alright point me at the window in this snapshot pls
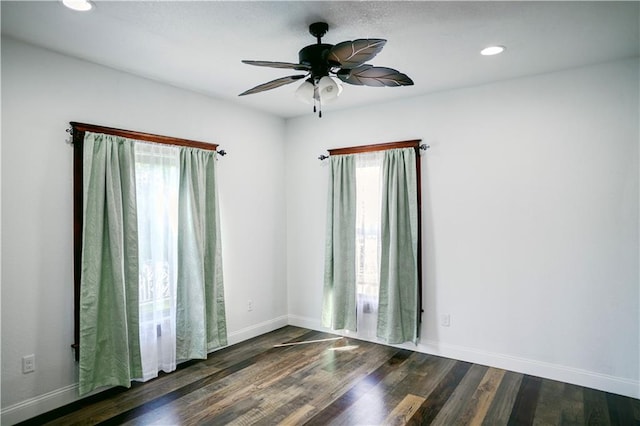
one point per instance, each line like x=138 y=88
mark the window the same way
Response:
x=372 y=264
x=148 y=269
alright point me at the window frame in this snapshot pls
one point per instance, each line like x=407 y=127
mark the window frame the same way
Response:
x=78 y=131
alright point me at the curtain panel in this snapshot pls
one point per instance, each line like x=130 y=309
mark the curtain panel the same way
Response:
x=398 y=297
x=201 y=323
x=110 y=263
x=109 y=336
x=339 y=295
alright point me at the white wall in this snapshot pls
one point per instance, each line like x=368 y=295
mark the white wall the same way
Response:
x=43 y=91
x=530 y=218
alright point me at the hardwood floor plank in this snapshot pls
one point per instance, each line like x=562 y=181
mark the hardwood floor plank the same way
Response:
x=261 y=375
x=572 y=402
x=287 y=395
x=482 y=398
x=620 y=410
x=500 y=409
x=549 y=408
x=423 y=381
x=269 y=404
x=175 y=395
x=525 y=404
x=298 y=417
x=459 y=400
x=635 y=404
x=375 y=405
x=596 y=411
x=359 y=389
x=327 y=387
x=401 y=414
x=438 y=398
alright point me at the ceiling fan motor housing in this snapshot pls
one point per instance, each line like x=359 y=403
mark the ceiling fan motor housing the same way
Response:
x=315 y=56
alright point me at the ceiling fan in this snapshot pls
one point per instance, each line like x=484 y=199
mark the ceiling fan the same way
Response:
x=325 y=65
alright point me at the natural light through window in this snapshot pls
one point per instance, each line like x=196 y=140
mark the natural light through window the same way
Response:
x=368 y=188
x=157 y=182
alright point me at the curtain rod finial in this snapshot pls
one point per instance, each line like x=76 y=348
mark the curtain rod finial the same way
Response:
x=69 y=139
x=222 y=152
x=424 y=147
x=323 y=157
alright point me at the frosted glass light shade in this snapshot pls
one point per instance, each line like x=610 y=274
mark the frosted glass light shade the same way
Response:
x=304 y=93
x=329 y=89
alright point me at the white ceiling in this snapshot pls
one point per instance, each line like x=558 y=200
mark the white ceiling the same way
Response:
x=198 y=45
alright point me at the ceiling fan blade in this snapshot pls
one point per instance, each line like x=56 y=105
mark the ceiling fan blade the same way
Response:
x=368 y=75
x=288 y=65
x=273 y=84
x=351 y=54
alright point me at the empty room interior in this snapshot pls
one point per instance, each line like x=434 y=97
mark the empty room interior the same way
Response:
x=499 y=282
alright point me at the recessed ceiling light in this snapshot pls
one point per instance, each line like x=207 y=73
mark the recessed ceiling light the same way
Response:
x=492 y=50
x=79 y=5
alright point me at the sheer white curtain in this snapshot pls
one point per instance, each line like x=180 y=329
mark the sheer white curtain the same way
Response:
x=157 y=186
x=368 y=240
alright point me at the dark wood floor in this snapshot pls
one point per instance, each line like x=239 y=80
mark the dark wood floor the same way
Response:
x=343 y=382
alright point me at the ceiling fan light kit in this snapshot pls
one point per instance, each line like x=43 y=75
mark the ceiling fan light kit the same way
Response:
x=326 y=65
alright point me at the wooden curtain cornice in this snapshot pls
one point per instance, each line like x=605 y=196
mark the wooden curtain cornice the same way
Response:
x=80 y=128
x=415 y=143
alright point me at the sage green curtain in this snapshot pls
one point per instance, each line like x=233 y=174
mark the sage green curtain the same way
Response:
x=398 y=295
x=339 y=296
x=201 y=322
x=109 y=301
x=109 y=342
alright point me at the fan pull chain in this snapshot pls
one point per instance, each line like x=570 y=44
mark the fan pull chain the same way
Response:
x=315 y=96
x=317 y=101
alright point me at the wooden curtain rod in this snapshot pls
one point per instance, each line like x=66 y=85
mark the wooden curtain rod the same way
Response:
x=147 y=137
x=415 y=143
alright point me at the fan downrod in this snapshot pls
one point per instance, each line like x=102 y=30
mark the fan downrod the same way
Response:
x=318 y=30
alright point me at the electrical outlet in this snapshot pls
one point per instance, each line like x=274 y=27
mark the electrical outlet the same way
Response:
x=249 y=305
x=445 y=320
x=28 y=364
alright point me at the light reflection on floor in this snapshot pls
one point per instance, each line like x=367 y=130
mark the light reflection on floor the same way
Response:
x=344 y=348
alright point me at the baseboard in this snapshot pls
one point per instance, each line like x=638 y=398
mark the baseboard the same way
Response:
x=41 y=404
x=257 y=329
x=310 y=323
x=590 y=379
x=60 y=397
x=547 y=370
